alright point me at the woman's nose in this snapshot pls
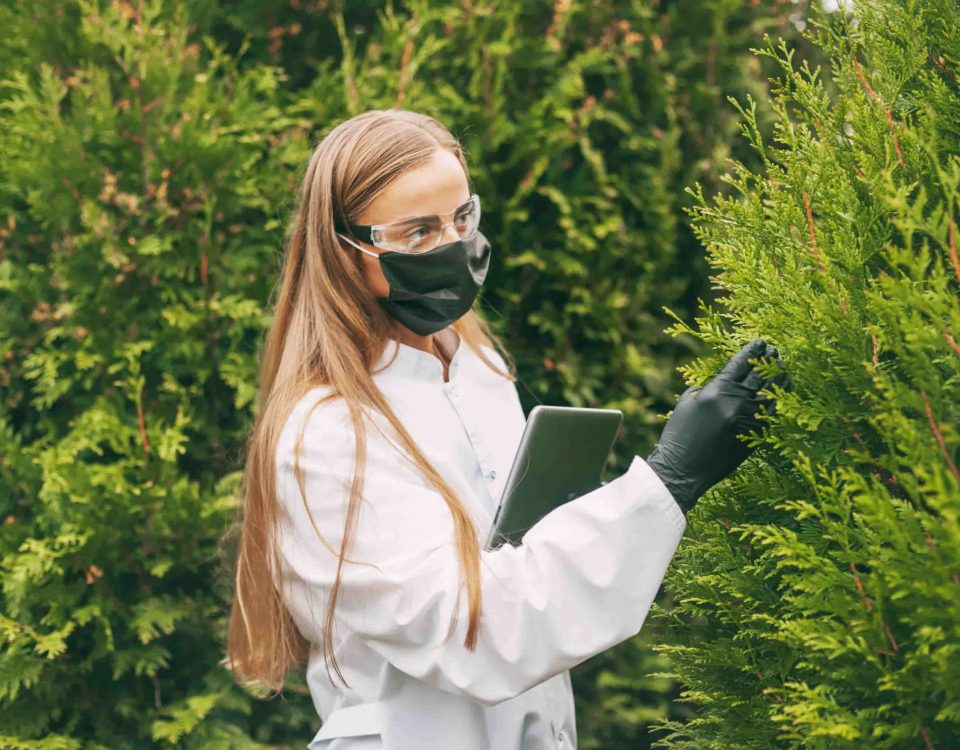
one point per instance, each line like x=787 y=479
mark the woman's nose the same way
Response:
x=450 y=234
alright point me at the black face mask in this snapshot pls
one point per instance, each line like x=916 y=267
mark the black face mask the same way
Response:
x=429 y=291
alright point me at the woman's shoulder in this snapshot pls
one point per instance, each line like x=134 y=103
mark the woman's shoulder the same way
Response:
x=319 y=434
x=498 y=361
x=321 y=413
x=326 y=422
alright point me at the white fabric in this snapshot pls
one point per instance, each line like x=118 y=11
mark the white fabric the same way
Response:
x=582 y=580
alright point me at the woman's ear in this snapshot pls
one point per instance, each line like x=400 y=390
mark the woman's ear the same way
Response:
x=370 y=267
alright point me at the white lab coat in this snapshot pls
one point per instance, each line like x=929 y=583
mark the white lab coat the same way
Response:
x=582 y=581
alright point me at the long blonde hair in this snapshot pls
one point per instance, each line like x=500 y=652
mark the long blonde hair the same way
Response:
x=327 y=329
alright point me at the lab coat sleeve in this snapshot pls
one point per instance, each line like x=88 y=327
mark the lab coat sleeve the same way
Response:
x=582 y=581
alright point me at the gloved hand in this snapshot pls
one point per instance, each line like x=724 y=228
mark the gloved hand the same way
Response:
x=699 y=445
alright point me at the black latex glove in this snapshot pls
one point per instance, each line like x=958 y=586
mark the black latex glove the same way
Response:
x=699 y=444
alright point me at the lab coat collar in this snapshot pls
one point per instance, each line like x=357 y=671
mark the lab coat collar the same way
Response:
x=415 y=363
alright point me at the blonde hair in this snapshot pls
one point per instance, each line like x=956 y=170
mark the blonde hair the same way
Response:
x=327 y=329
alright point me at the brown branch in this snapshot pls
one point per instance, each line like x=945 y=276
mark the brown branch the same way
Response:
x=866 y=84
x=151 y=104
x=863 y=595
x=131 y=137
x=890 y=638
x=813 y=233
x=950 y=340
x=886 y=111
x=941 y=65
x=559 y=8
x=404 y=73
x=143 y=431
x=939 y=436
x=860 y=442
x=896 y=141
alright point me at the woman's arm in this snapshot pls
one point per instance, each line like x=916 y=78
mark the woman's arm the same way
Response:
x=582 y=581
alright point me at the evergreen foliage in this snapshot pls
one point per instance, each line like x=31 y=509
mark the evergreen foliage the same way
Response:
x=149 y=153
x=141 y=176
x=818 y=591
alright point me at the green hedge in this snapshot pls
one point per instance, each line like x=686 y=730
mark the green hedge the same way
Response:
x=818 y=592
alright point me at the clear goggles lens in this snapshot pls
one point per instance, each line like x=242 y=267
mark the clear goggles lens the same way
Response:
x=423 y=233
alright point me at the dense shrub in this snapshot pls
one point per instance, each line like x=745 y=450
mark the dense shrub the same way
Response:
x=819 y=591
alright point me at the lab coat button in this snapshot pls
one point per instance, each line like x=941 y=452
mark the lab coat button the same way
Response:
x=560 y=738
x=493 y=473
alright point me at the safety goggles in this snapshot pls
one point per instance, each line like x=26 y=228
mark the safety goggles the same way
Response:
x=418 y=234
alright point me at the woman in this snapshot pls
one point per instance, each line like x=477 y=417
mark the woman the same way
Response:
x=389 y=419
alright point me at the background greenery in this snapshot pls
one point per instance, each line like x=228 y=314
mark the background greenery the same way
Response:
x=819 y=589
x=149 y=154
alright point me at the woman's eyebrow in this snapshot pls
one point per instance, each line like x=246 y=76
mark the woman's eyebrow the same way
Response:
x=424 y=216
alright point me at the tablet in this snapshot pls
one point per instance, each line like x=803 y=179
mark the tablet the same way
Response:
x=562 y=453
